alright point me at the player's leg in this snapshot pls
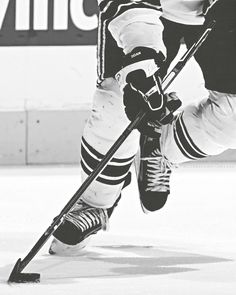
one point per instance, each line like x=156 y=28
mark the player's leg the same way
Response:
x=106 y=123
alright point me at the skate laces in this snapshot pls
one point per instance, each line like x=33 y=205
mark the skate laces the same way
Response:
x=158 y=170
x=87 y=217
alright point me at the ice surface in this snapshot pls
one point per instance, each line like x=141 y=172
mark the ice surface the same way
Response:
x=188 y=247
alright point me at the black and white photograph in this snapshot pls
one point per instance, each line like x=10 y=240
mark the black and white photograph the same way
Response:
x=118 y=147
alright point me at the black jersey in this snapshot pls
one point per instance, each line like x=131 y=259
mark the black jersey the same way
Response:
x=217 y=56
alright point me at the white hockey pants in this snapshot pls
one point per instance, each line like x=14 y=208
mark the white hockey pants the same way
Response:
x=208 y=128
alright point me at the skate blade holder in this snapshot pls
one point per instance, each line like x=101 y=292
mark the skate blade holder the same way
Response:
x=17 y=277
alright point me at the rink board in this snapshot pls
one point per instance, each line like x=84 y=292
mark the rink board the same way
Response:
x=54 y=136
x=51 y=137
x=12 y=137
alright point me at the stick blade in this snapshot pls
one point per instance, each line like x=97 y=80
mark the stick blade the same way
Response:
x=17 y=277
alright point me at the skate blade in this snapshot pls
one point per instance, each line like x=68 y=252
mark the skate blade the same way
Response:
x=58 y=248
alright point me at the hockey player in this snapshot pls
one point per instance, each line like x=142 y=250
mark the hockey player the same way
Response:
x=130 y=44
x=209 y=127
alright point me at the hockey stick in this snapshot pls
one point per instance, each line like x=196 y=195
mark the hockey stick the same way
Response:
x=16 y=275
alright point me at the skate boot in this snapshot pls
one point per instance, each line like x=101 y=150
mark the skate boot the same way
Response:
x=153 y=171
x=78 y=225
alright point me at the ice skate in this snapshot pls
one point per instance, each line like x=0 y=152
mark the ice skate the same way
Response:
x=153 y=171
x=78 y=225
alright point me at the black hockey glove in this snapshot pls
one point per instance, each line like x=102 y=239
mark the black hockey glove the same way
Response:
x=143 y=91
x=159 y=108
